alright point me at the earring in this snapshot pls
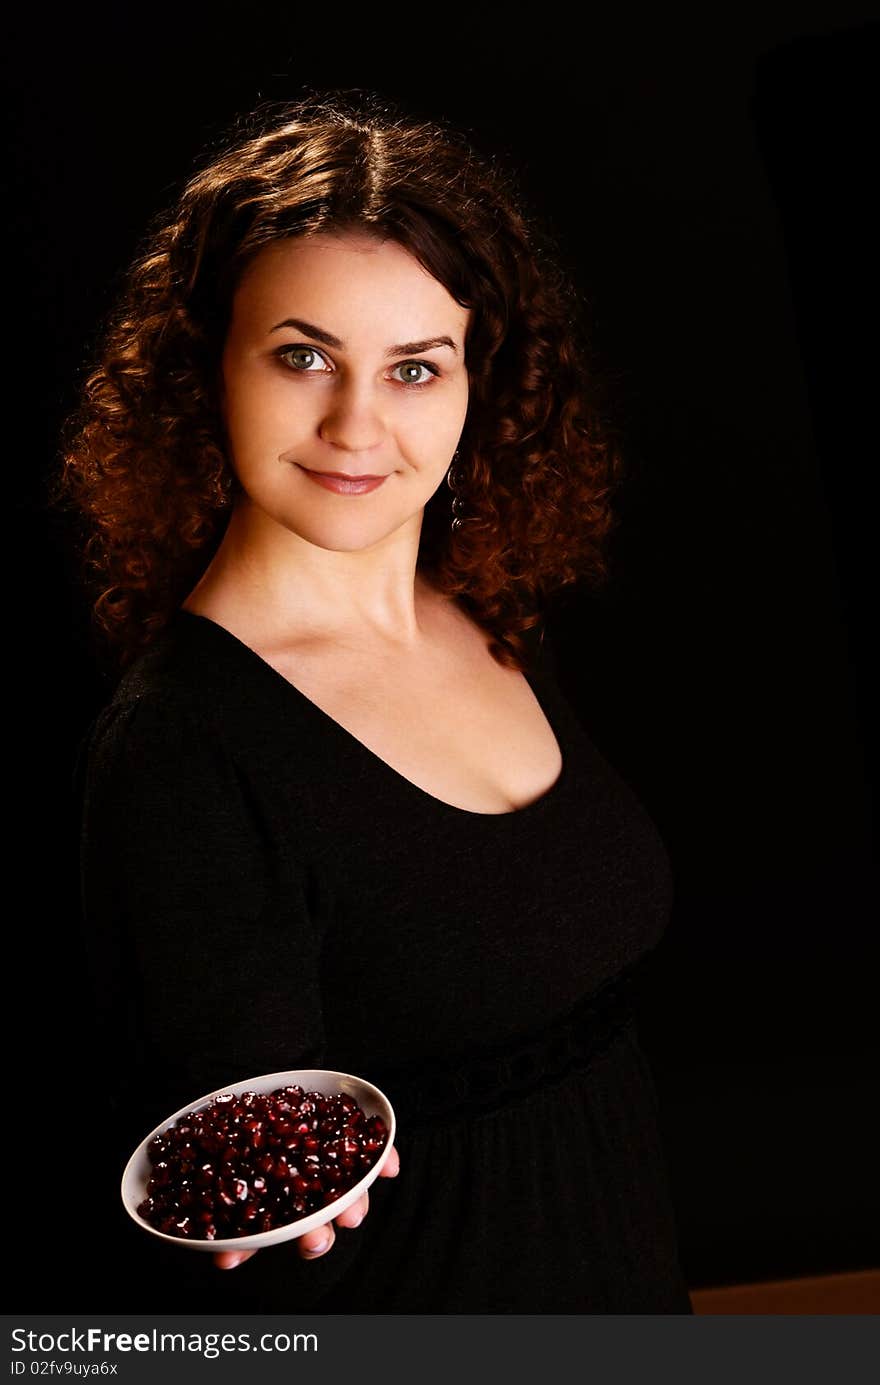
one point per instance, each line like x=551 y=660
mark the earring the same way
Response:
x=452 y=479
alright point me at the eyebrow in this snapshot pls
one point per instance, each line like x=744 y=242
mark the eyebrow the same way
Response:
x=406 y=348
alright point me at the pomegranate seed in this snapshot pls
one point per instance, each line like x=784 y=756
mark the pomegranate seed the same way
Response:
x=228 y=1170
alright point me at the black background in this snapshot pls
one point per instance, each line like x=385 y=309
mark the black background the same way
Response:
x=708 y=180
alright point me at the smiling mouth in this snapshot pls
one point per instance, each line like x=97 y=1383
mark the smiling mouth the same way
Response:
x=342 y=483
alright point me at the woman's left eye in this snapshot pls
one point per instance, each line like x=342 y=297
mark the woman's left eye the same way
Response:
x=417 y=365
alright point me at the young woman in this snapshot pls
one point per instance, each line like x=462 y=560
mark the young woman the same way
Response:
x=337 y=813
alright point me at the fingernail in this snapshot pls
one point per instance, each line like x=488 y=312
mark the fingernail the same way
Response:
x=320 y=1248
x=353 y=1224
x=231 y=1263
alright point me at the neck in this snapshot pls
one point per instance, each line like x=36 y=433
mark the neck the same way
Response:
x=277 y=585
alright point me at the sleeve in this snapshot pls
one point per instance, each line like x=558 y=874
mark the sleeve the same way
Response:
x=202 y=952
x=204 y=960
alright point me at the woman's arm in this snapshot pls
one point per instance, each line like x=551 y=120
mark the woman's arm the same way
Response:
x=203 y=954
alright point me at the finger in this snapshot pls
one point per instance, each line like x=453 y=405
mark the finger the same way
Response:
x=316 y=1242
x=354 y=1215
x=391 y=1167
x=228 y=1259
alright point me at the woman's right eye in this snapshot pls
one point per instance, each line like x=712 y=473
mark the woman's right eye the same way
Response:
x=299 y=351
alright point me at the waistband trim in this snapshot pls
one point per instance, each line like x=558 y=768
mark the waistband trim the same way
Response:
x=480 y=1083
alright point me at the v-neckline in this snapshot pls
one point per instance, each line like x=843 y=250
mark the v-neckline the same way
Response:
x=540 y=804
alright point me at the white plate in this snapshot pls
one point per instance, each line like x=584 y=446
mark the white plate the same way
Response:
x=369 y=1098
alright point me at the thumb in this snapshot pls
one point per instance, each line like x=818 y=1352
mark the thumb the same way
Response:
x=391 y=1167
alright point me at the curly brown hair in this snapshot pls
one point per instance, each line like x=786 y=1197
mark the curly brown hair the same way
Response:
x=143 y=461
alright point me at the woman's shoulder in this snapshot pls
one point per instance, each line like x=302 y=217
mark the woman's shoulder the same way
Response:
x=159 y=749
x=542 y=650
x=165 y=709
x=193 y=669
x=167 y=670
x=155 y=695
x=178 y=755
x=197 y=701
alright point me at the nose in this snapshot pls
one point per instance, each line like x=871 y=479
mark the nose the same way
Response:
x=352 y=422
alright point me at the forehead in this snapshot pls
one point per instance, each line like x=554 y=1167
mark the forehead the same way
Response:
x=350 y=283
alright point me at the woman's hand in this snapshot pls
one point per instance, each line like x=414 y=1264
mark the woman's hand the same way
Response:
x=316 y=1243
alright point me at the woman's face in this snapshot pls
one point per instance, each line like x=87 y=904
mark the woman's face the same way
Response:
x=333 y=363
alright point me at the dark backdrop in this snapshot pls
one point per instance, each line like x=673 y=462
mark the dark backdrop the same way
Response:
x=708 y=183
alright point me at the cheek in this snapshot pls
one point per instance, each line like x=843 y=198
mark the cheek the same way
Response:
x=438 y=416
x=258 y=416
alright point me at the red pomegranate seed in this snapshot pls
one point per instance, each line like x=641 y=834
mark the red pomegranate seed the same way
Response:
x=231 y=1169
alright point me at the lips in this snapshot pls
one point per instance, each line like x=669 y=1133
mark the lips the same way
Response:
x=343 y=483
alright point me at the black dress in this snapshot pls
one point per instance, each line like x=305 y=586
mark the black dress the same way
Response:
x=262 y=892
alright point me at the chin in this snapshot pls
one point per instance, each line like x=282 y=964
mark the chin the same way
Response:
x=347 y=538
